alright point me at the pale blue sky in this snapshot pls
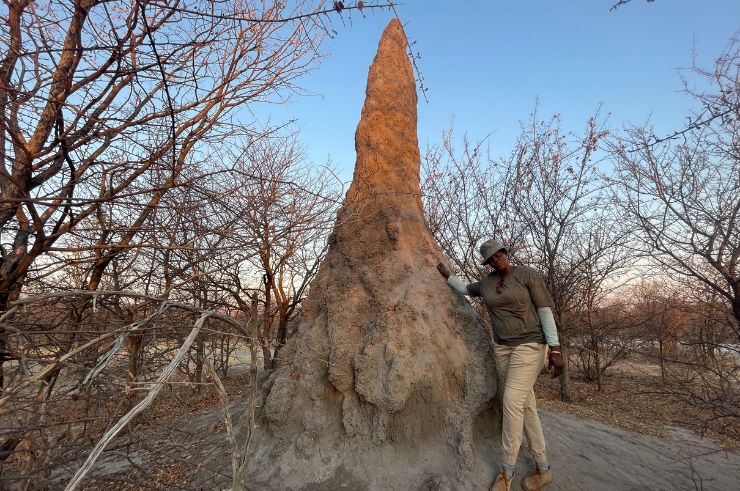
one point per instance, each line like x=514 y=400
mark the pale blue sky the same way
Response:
x=486 y=62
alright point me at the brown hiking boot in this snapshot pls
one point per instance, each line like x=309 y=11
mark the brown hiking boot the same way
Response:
x=537 y=480
x=503 y=483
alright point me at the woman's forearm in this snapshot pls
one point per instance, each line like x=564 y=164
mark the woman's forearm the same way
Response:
x=457 y=284
x=548 y=325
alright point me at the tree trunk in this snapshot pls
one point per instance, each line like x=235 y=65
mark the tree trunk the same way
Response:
x=282 y=338
x=224 y=354
x=597 y=362
x=267 y=322
x=134 y=347
x=266 y=353
x=199 y=358
x=565 y=390
x=35 y=446
x=5 y=354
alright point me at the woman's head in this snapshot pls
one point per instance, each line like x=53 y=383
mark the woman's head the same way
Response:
x=495 y=254
x=491 y=247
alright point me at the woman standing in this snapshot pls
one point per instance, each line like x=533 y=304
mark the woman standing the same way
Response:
x=523 y=328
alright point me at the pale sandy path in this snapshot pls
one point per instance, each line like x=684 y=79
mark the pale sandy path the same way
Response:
x=593 y=456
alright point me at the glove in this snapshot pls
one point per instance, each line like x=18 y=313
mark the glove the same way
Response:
x=555 y=361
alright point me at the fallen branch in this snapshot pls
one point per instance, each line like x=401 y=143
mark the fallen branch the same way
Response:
x=230 y=434
x=126 y=419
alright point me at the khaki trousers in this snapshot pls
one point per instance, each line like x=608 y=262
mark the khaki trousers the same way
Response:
x=519 y=366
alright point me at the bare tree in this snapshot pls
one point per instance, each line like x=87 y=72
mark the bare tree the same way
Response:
x=682 y=196
x=283 y=211
x=463 y=196
x=105 y=109
x=691 y=329
x=554 y=193
x=658 y=318
x=103 y=102
x=599 y=323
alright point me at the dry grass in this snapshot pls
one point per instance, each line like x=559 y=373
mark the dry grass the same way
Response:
x=632 y=398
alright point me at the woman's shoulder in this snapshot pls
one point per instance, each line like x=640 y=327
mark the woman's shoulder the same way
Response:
x=526 y=271
x=491 y=275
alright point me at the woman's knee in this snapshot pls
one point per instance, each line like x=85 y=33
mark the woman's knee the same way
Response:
x=514 y=400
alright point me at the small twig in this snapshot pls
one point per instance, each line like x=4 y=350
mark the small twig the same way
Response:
x=256 y=20
x=43 y=373
x=413 y=57
x=173 y=126
x=622 y=2
x=71 y=293
x=693 y=126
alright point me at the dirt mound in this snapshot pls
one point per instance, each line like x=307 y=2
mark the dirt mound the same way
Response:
x=389 y=379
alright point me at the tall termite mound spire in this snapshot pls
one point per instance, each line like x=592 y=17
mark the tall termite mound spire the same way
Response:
x=386 y=142
x=388 y=382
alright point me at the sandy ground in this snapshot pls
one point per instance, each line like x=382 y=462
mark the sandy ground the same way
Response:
x=585 y=455
x=589 y=455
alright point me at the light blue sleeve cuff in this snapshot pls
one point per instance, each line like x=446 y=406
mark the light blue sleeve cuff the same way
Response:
x=457 y=284
x=548 y=325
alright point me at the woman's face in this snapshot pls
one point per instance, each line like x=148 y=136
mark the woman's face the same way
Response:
x=499 y=261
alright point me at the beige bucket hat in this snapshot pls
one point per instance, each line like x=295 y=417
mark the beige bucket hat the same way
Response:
x=491 y=247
